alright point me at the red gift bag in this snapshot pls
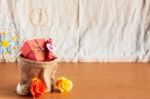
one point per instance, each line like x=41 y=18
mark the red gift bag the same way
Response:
x=34 y=49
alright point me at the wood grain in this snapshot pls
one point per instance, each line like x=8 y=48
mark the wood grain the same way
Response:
x=91 y=81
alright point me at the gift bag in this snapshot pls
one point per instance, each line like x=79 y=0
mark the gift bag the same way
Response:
x=43 y=70
x=34 y=49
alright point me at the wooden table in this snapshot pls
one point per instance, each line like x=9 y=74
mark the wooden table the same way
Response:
x=91 y=81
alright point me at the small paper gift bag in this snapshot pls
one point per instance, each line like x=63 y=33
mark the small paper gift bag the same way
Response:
x=43 y=70
x=34 y=49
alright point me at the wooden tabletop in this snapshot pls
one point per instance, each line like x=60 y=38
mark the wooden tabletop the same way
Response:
x=91 y=81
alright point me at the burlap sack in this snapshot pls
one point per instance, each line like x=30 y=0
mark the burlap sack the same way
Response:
x=42 y=70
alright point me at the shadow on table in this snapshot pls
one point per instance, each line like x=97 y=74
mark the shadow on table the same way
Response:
x=9 y=91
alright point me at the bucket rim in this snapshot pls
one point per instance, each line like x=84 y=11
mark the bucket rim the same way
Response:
x=22 y=59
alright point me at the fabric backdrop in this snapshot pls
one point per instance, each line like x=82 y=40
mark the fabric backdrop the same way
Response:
x=82 y=30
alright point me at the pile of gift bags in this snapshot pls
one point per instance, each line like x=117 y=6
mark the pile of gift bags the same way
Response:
x=38 y=50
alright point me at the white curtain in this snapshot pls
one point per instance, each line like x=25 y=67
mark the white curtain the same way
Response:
x=84 y=30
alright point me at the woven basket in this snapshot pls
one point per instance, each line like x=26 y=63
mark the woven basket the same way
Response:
x=43 y=70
